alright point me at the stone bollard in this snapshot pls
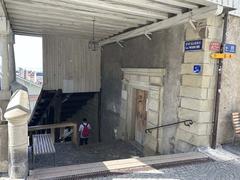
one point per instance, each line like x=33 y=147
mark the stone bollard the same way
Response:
x=17 y=115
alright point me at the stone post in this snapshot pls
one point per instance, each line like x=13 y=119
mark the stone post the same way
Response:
x=3 y=146
x=197 y=90
x=4 y=91
x=12 y=69
x=4 y=54
x=17 y=115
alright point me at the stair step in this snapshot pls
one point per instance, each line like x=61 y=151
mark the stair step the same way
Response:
x=99 y=168
x=144 y=150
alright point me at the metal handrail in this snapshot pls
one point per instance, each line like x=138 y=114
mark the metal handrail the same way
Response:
x=186 y=123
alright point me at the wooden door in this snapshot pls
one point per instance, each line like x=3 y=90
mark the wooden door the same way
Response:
x=141 y=116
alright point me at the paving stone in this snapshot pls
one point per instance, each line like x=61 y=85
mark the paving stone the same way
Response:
x=69 y=154
x=197 y=171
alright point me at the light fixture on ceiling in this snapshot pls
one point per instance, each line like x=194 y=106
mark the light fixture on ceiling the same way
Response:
x=93 y=44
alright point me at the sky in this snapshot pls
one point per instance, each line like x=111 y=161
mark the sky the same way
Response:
x=28 y=52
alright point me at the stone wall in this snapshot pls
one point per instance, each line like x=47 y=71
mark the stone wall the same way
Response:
x=198 y=90
x=163 y=51
x=150 y=81
x=230 y=93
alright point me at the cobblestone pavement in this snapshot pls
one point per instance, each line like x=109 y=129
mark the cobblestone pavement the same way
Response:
x=229 y=170
x=226 y=167
x=235 y=149
x=69 y=154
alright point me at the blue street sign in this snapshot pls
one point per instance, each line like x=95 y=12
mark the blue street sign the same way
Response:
x=193 y=45
x=197 y=68
x=230 y=48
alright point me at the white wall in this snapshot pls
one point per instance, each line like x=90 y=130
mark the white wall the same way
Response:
x=69 y=65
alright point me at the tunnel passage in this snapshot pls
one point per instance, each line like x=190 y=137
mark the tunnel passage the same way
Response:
x=54 y=107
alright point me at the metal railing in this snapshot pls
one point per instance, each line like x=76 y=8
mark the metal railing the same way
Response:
x=186 y=123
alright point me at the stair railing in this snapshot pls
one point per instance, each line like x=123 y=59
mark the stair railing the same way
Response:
x=186 y=123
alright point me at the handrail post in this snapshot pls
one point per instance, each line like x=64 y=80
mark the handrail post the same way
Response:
x=17 y=115
x=53 y=134
x=75 y=136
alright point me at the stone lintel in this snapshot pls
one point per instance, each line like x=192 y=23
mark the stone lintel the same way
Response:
x=156 y=72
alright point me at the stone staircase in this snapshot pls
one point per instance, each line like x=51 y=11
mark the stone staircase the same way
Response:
x=144 y=150
x=122 y=166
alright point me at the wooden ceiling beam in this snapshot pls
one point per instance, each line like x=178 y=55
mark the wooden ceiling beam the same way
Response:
x=145 y=4
x=56 y=25
x=181 y=4
x=81 y=10
x=99 y=33
x=37 y=30
x=195 y=14
x=75 y=16
x=114 y=8
x=60 y=19
x=201 y=2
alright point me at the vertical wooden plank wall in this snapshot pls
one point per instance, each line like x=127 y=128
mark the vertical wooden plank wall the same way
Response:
x=69 y=65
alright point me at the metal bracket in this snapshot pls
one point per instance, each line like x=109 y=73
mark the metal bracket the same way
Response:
x=120 y=44
x=191 y=22
x=188 y=123
x=148 y=35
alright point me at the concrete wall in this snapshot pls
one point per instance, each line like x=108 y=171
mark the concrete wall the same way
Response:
x=230 y=94
x=89 y=111
x=165 y=50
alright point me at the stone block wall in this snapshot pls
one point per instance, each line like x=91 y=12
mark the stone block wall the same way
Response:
x=197 y=91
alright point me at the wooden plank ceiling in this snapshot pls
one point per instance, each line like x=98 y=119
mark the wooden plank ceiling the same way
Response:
x=37 y=17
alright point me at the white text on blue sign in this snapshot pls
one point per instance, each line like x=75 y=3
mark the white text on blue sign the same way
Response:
x=193 y=45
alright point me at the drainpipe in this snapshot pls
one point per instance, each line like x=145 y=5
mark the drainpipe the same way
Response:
x=219 y=82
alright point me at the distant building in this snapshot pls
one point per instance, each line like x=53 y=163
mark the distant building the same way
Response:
x=39 y=78
x=33 y=76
